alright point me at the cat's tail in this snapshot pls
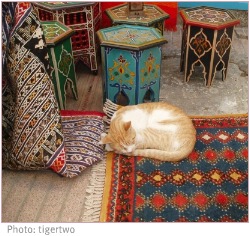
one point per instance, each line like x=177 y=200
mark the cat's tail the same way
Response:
x=161 y=154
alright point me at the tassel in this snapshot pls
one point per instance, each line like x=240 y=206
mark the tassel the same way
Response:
x=93 y=198
x=109 y=109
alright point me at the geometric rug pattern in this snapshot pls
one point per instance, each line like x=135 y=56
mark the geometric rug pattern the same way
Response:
x=211 y=184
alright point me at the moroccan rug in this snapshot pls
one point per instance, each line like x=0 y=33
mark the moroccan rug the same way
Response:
x=82 y=131
x=210 y=185
x=35 y=135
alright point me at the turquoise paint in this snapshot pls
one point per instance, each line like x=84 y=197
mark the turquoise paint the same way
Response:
x=224 y=5
x=132 y=72
x=149 y=79
x=118 y=76
x=131 y=59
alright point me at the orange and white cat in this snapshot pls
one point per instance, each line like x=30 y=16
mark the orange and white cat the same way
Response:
x=156 y=130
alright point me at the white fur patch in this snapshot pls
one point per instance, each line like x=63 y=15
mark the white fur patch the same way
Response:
x=140 y=119
x=108 y=148
x=137 y=117
x=130 y=148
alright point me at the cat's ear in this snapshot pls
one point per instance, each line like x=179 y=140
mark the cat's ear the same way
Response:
x=127 y=125
x=105 y=139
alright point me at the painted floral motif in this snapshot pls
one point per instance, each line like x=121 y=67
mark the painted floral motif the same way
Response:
x=200 y=44
x=151 y=13
x=123 y=79
x=223 y=45
x=209 y=15
x=52 y=31
x=151 y=69
x=65 y=62
x=120 y=71
x=131 y=36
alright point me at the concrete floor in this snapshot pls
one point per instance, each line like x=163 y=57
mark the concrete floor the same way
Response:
x=43 y=196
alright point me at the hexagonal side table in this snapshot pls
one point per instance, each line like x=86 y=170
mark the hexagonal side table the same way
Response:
x=206 y=41
x=57 y=37
x=131 y=61
x=153 y=16
x=84 y=18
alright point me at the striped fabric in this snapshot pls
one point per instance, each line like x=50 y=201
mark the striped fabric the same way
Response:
x=34 y=135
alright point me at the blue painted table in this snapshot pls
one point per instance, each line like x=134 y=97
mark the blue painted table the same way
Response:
x=131 y=63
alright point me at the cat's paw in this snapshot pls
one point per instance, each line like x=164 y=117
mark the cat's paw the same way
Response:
x=103 y=135
x=108 y=148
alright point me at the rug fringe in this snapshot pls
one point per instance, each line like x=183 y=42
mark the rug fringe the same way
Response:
x=109 y=108
x=95 y=190
x=94 y=193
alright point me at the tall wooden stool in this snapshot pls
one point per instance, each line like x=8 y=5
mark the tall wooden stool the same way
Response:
x=57 y=37
x=206 y=41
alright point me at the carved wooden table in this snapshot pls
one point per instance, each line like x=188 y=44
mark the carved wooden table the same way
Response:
x=84 y=18
x=131 y=60
x=57 y=37
x=153 y=16
x=206 y=41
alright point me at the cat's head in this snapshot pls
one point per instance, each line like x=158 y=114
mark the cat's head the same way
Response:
x=121 y=138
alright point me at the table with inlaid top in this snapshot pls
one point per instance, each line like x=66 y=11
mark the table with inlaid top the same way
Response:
x=206 y=41
x=131 y=61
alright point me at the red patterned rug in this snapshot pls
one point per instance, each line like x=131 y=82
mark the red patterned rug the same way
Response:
x=211 y=184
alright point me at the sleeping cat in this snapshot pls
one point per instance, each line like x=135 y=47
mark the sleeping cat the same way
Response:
x=156 y=130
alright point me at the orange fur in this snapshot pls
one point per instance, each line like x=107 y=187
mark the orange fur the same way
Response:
x=163 y=132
